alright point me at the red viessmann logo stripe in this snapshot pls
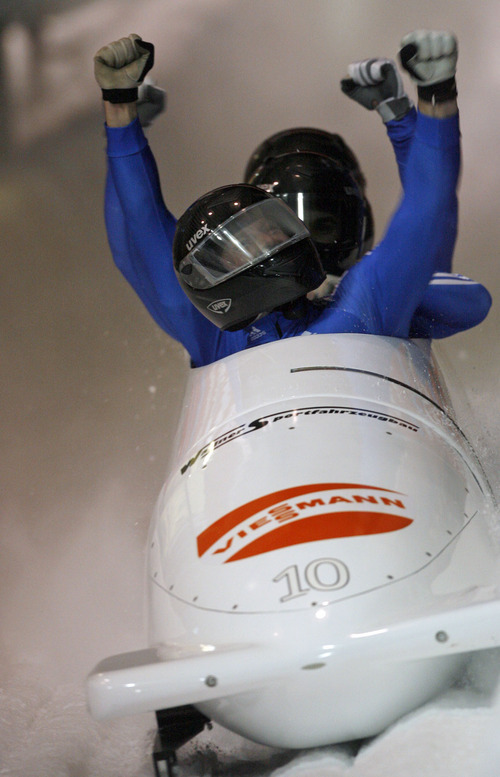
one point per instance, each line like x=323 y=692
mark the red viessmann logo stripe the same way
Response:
x=322 y=527
x=319 y=528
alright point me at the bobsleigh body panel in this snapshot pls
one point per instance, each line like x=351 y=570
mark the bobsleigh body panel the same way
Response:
x=325 y=523
x=368 y=461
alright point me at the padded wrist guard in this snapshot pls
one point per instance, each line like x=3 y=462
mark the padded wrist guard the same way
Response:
x=120 y=95
x=438 y=93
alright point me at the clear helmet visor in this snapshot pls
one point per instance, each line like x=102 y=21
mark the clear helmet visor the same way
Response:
x=245 y=239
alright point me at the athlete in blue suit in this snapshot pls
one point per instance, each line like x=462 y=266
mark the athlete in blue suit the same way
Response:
x=383 y=294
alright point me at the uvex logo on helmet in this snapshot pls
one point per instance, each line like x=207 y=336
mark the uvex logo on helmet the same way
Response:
x=220 y=306
x=201 y=232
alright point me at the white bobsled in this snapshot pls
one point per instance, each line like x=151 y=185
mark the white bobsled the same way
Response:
x=322 y=556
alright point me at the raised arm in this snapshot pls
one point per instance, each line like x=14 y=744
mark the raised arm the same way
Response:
x=139 y=226
x=430 y=182
x=380 y=294
x=376 y=85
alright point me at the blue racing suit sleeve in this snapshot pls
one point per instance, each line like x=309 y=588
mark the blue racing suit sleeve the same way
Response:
x=400 y=133
x=452 y=303
x=380 y=294
x=140 y=232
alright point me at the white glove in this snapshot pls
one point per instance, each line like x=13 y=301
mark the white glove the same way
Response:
x=376 y=84
x=121 y=66
x=429 y=56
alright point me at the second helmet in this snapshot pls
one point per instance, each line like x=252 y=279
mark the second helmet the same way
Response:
x=306 y=139
x=327 y=198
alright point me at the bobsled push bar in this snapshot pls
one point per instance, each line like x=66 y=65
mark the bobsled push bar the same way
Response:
x=150 y=680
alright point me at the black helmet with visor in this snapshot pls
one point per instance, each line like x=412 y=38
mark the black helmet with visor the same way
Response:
x=239 y=253
x=327 y=198
x=318 y=141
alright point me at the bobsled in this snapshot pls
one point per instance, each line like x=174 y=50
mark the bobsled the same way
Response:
x=322 y=557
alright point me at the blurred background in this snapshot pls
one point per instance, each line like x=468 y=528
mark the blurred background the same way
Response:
x=91 y=387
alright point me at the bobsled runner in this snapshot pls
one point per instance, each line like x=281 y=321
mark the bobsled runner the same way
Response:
x=322 y=556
